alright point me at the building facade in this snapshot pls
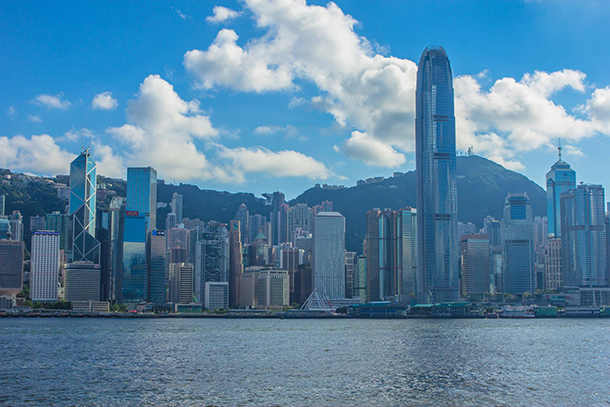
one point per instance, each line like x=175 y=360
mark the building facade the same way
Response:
x=236 y=267
x=438 y=248
x=518 y=262
x=44 y=265
x=329 y=254
x=85 y=246
x=475 y=264
x=583 y=234
x=11 y=267
x=561 y=178
x=142 y=193
x=82 y=281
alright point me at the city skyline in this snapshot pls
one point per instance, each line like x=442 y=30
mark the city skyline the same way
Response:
x=311 y=126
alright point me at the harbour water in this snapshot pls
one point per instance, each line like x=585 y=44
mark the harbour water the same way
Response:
x=198 y=362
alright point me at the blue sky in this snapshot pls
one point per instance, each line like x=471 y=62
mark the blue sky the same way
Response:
x=260 y=95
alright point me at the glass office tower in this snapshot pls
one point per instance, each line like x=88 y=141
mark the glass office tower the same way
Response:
x=135 y=273
x=518 y=245
x=85 y=246
x=584 y=257
x=561 y=178
x=438 y=251
x=142 y=193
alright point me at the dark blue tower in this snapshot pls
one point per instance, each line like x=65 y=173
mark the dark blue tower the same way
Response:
x=438 y=278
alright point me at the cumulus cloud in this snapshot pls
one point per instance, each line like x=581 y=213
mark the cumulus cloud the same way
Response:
x=221 y=15
x=317 y=44
x=38 y=154
x=517 y=116
x=164 y=131
x=104 y=101
x=34 y=119
x=52 y=102
x=285 y=163
x=375 y=94
x=371 y=151
x=598 y=108
x=161 y=131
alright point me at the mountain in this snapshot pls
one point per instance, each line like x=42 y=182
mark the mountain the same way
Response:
x=482 y=187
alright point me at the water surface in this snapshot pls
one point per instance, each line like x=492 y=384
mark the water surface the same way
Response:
x=194 y=362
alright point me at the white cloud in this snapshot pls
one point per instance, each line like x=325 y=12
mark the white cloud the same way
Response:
x=52 y=102
x=285 y=163
x=266 y=130
x=108 y=162
x=34 y=119
x=104 y=101
x=222 y=15
x=517 y=116
x=598 y=108
x=375 y=95
x=573 y=151
x=365 y=148
x=39 y=154
x=161 y=132
x=180 y=13
x=11 y=111
x=318 y=44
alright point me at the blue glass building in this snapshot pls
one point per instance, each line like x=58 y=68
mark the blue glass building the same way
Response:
x=438 y=249
x=85 y=246
x=135 y=273
x=518 y=275
x=140 y=216
x=561 y=178
x=584 y=240
x=142 y=193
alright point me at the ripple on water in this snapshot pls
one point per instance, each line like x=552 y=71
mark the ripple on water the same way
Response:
x=311 y=362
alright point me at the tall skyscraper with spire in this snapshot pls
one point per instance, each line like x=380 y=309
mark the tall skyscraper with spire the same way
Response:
x=561 y=178
x=85 y=247
x=438 y=250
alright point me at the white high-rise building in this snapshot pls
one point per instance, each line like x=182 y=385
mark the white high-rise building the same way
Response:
x=44 y=266
x=329 y=254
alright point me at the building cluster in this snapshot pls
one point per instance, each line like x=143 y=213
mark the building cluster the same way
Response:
x=95 y=258
x=297 y=254
x=426 y=256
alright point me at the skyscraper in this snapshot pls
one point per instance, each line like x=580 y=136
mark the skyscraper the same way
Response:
x=85 y=246
x=44 y=266
x=155 y=258
x=518 y=273
x=436 y=179
x=212 y=258
x=243 y=216
x=476 y=264
x=11 y=267
x=177 y=207
x=583 y=229
x=141 y=216
x=561 y=178
x=407 y=260
x=235 y=263
x=142 y=193
x=134 y=270
x=329 y=254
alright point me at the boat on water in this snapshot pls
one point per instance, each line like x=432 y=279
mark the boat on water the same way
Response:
x=517 y=312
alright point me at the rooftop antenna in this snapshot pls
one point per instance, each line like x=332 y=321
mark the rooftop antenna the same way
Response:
x=559 y=148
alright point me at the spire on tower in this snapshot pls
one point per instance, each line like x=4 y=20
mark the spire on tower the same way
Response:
x=559 y=148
